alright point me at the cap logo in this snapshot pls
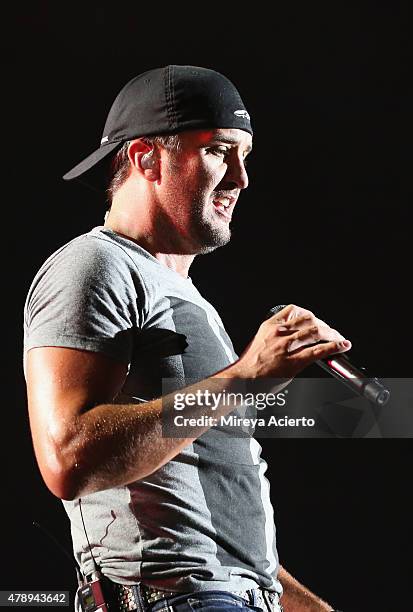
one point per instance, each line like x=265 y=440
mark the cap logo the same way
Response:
x=242 y=113
x=104 y=139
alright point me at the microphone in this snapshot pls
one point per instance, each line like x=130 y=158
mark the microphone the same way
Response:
x=340 y=366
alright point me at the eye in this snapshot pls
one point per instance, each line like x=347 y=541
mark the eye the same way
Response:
x=219 y=150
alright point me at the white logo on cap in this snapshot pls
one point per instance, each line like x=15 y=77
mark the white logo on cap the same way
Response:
x=242 y=113
x=104 y=139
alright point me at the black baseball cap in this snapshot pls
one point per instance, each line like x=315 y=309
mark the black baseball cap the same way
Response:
x=165 y=100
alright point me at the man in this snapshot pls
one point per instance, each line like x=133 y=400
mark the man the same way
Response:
x=169 y=521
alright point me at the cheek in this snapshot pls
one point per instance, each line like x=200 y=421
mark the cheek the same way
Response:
x=194 y=178
x=208 y=178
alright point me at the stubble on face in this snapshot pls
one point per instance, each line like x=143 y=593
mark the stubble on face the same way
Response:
x=191 y=214
x=208 y=229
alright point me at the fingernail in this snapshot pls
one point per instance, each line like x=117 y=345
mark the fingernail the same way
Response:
x=345 y=344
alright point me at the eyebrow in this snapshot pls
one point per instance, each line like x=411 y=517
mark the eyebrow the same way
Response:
x=229 y=140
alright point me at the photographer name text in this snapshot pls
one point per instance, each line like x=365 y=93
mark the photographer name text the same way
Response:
x=236 y=421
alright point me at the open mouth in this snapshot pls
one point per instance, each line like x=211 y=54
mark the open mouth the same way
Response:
x=223 y=206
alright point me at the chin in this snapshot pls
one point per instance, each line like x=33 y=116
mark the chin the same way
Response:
x=215 y=241
x=209 y=234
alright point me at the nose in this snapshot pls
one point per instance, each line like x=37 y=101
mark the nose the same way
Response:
x=237 y=173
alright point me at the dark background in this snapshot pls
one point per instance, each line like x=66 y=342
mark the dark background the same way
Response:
x=326 y=223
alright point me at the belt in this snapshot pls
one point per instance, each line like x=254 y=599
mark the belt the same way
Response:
x=127 y=597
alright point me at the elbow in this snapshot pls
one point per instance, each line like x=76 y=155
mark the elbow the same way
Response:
x=61 y=490
x=62 y=474
x=63 y=487
x=64 y=484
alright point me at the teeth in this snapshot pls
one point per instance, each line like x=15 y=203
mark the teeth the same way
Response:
x=224 y=201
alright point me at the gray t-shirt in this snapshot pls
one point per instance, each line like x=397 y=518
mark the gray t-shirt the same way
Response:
x=204 y=520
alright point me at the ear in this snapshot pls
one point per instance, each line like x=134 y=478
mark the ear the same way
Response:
x=144 y=159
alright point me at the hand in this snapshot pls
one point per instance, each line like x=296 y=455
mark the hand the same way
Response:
x=285 y=344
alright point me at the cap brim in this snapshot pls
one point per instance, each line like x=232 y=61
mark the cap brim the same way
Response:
x=91 y=161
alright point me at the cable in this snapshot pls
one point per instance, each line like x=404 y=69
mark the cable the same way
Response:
x=95 y=565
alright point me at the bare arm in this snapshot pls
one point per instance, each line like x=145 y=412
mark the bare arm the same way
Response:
x=84 y=442
x=297 y=598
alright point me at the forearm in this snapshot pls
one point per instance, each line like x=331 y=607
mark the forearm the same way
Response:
x=111 y=445
x=297 y=598
x=85 y=442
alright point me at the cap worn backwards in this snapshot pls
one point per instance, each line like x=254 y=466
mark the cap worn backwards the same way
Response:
x=166 y=101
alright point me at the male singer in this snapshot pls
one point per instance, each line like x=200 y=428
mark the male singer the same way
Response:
x=170 y=522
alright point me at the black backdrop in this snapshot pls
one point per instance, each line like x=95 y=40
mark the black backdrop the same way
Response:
x=325 y=223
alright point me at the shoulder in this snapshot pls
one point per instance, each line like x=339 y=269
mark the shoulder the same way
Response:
x=95 y=267
x=94 y=255
x=94 y=248
x=87 y=290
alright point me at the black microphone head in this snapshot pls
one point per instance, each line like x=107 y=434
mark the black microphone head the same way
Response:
x=274 y=310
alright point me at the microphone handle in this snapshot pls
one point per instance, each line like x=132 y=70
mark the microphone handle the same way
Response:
x=342 y=369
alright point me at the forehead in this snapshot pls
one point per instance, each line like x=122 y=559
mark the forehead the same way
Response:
x=230 y=136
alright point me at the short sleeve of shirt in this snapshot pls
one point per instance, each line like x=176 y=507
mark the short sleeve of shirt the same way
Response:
x=86 y=296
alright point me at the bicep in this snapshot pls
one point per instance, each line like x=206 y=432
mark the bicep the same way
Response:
x=62 y=384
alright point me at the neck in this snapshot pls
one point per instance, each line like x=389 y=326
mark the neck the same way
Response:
x=131 y=216
x=178 y=263
x=174 y=261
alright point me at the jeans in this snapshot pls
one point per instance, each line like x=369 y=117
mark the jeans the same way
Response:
x=214 y=601
x=203 y=601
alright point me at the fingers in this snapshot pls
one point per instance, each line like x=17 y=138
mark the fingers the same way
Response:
x=292 y=312
x=303 y=337
x=289 y=341
x=287 y=313
x=303 y=327
x=294 y=325
x=320 y=351
x=285 y=325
